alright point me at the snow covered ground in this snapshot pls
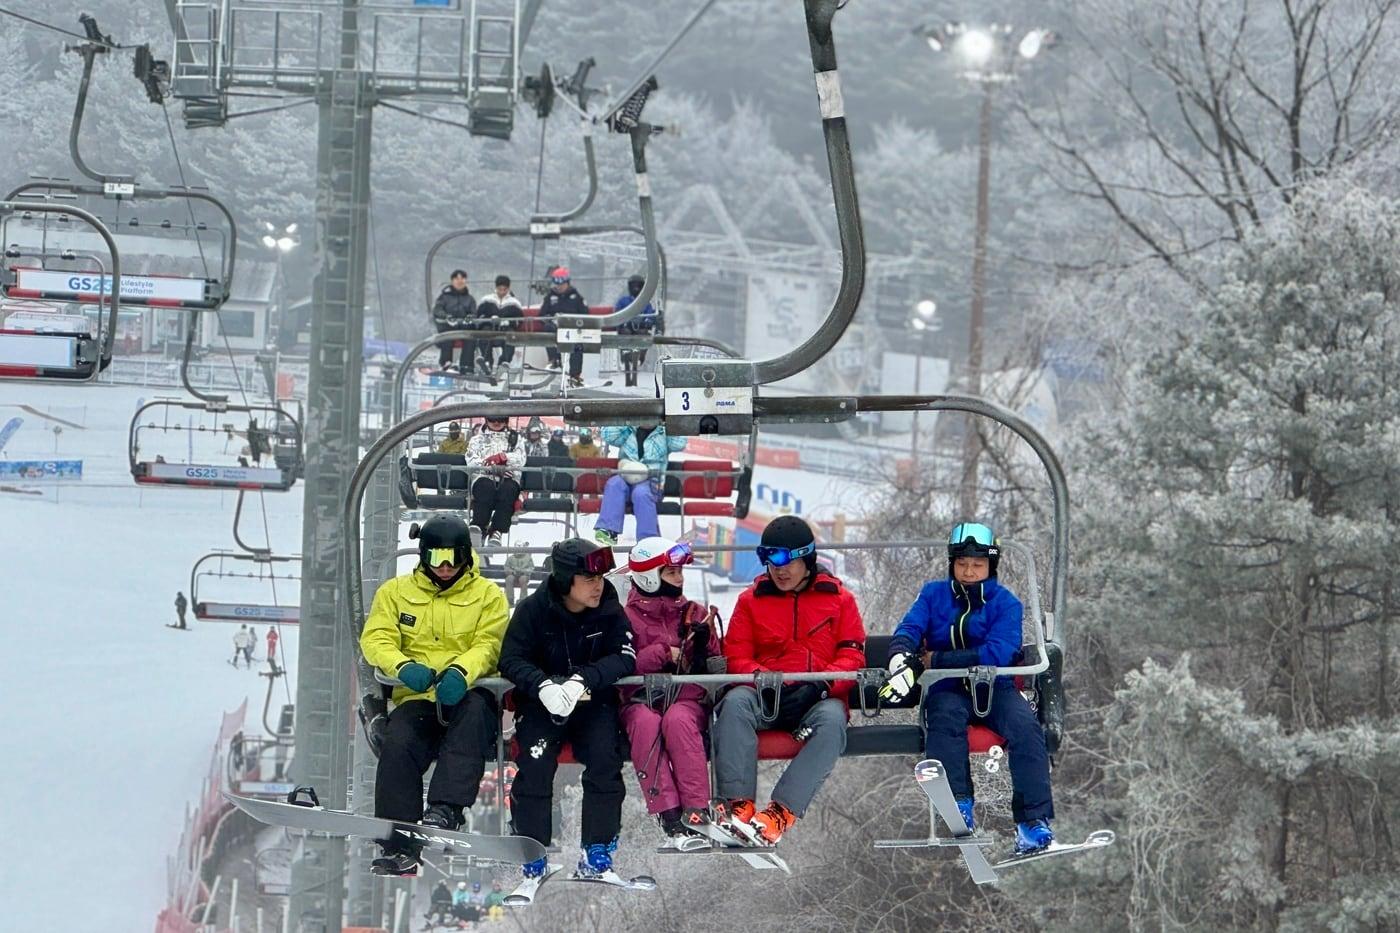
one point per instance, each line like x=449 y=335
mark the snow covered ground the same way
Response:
x=111 y=715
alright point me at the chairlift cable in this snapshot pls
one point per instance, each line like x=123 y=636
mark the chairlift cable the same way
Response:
x=60 y=29
x=423 y=116
x=378 y=282
x=650 y=69
x=253 y=113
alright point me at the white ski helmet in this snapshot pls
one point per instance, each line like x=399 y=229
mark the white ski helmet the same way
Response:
x=650 y=556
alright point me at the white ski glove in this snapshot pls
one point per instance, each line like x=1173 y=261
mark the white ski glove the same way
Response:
x=555 y=698
x=574 y=690
x=901 y=678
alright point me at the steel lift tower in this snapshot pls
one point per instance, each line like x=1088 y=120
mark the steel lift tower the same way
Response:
x=347 y=55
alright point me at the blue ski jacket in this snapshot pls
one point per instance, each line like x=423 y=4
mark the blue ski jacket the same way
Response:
x=979 y=624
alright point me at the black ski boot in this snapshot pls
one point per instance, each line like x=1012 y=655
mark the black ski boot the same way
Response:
x=442 y=816
x=398 y=863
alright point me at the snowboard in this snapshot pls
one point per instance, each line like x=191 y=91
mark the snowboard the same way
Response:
x=1096 y=840
x=512 y=850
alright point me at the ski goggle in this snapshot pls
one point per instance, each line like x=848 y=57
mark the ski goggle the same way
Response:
x=677 y=555
x=598 y=563
x=437 y=556
x=782 y=556
x=977 y=532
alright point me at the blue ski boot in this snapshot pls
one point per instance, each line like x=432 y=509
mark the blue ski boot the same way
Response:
x=965 y=808
x=535 y=869
x=1032 y=836
x=596 y=860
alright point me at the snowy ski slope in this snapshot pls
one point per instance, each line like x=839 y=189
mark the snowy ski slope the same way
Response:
x=110 y=714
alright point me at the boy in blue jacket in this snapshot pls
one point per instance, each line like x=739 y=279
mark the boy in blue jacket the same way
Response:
x=968 y=620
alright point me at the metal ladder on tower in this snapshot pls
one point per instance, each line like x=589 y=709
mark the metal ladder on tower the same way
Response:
x=495 y=73
x=196 y=77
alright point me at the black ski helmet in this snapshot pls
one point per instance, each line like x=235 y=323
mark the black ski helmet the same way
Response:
x=973 y=539
x=791 y=532
x=443 y=531
x=634 y=285
x=571 y=557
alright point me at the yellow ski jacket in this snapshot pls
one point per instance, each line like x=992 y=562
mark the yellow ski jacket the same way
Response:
x=412 y=620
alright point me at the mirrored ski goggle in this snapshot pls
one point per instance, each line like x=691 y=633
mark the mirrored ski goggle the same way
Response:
x=782 y=556
x=677 y=556
x=979 y=534
x=599 y=562
x=438 y=556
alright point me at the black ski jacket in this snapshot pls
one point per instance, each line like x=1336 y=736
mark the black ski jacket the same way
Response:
x=570 y=302
x=546 y=640
x=453 y=308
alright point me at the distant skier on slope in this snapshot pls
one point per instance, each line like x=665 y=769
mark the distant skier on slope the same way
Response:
x=181 y=604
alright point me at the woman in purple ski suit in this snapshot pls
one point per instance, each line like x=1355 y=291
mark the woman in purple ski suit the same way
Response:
x=671 y=635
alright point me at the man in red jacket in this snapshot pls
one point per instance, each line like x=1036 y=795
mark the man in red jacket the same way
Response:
x=796 y=617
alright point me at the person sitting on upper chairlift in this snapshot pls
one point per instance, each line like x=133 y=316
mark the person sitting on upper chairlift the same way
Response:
x=648 y=322
x=642 y=456
x=454 y=442
x=454 y=310
x=501 y=310
x=563 y=298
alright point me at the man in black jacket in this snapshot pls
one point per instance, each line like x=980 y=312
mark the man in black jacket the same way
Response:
x=454 y=310
x=567 y=644
x=563 y=298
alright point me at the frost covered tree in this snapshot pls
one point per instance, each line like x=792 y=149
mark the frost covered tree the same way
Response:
x=1240 y=510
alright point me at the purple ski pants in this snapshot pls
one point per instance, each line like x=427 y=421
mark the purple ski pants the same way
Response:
x=613 y=510
x=668 y=753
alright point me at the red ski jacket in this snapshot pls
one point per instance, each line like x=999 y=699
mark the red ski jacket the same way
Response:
x=817 y=628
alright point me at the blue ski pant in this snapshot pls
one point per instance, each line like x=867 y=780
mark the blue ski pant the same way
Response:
x=947 y=714
x=613 y=510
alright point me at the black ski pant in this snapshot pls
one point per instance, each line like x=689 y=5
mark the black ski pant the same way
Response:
x=594 y=730
x=414 y=738
x=444 y=348
x=493 y=503
x=947 y=714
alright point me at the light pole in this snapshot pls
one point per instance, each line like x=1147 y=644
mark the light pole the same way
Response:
x=281 y=240
x=987 y=57
x=920 y=323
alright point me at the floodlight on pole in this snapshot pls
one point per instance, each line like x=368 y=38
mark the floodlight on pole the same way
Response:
x=926 y=308
x=269 y=241
x=976 y=46
x=989 y=56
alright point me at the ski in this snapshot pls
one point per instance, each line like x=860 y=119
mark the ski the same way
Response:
x=524 y=893
x=1096 y=840
x=722 y=842
x=933 y=781
x=511 y=850
x=613 y=880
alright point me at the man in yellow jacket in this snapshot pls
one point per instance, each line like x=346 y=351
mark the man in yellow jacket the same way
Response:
x=438 y=630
